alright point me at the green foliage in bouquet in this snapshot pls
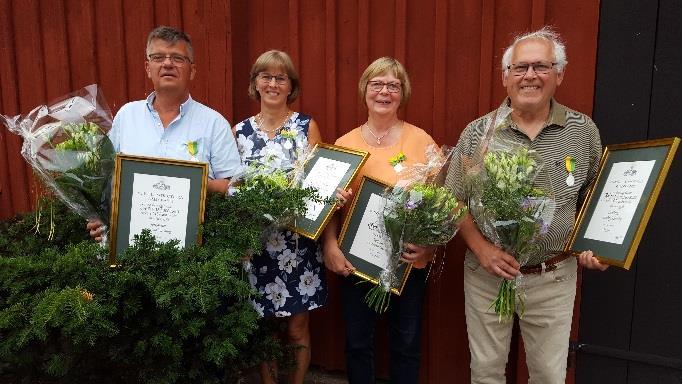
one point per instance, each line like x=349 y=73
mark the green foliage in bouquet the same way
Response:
x=422 y=214
x=82 y=167
x=164 y=315
x=264 y=200
x=514 y=205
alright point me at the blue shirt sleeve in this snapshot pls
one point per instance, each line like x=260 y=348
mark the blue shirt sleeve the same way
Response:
x=225 y=160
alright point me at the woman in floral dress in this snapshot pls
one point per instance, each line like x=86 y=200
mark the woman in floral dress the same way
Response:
x=288 y=274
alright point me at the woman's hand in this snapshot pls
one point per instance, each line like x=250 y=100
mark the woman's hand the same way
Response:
x=334 y=259
x=95 y=228
x=587 y=260
x=418 y=255
x=342 y=197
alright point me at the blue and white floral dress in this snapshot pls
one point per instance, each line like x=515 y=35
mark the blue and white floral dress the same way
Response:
x=289 y=273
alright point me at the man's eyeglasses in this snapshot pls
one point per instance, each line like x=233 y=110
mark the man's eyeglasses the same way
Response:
x=176 y=59
x=539 y=67
x=267 y=78
x=378 y=86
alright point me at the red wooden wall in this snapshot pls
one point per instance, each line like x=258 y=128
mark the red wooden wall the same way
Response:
x=451 y=49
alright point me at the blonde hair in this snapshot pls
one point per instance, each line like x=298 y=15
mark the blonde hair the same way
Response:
x=382 y=66
x=274 y=59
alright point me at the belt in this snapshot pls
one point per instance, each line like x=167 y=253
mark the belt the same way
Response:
x=548 y=265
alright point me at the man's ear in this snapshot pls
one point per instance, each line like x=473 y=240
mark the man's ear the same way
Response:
x=147 y=69
x=193 y=71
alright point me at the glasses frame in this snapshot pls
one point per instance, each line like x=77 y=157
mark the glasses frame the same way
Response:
x=267 y=78
x=171 y=56
x=511 y=67
x=376 y=83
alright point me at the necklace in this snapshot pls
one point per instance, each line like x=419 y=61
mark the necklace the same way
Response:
x=259 y=122
x=378 y=138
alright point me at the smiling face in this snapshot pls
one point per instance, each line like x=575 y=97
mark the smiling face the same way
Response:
x=532 y=92
x=168 y=76
x=273 y=86
x=383 y=102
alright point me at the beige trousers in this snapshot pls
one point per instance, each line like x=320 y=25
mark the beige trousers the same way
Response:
x=545 y=326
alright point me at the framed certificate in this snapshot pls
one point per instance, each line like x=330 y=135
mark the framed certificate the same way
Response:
x=363 y=238
x=163 y=195
x=329 y=167
x=612 y=220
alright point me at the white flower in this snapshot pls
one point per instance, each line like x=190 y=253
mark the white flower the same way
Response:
x=282 y=314
x=313 y=306
x=252 y=279
x=245 y=145
x=275 y=243
x=258 y=307
x=277 y=293
x=287 y=261
x=287 y=144
x=308 y=284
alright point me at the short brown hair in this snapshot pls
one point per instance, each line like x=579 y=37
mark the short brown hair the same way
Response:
x=382 y=66
x=171 y=36
x=276 y=59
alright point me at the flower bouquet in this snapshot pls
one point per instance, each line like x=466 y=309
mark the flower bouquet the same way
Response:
x=417 y=211
x=66 y=144
x=512 y=203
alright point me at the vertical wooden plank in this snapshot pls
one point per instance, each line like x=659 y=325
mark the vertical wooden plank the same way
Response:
x=440 y=64
x=81 y=34
x=220 y=52
x=110 y=51
x=330 y=65
x=400 y=30
x=139 y=21
x=363 y=18
x=240 y=60
x=56 y=50
x=194 y=17
x=168 y=12
x=294 y=46
x=486 y=63
x=15 y=180
x=538 y=9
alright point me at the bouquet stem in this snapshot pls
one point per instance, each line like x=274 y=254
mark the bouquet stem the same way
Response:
x=506 y=300
x=378 y=298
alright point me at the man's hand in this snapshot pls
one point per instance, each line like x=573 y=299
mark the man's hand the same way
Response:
x=334 y=259
x=497 y=262
x=96 y=228
x=587 y=260
x=418 y=255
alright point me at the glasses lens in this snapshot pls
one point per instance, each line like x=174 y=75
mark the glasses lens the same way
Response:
x=542 y=68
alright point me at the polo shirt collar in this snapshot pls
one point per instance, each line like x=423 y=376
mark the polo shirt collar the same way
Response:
x=557 y=115
x=183 y=107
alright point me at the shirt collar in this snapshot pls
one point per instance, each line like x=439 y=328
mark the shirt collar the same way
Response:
x=557 y=115
x=183 y=107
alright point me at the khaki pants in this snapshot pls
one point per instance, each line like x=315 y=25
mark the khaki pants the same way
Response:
x=545 y=326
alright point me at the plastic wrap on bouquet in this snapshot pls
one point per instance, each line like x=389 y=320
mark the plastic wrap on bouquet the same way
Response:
x=510 y=197
x=418 y=210
x=66 y=144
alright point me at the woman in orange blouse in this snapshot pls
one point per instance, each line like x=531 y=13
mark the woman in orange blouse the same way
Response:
x=384 y=87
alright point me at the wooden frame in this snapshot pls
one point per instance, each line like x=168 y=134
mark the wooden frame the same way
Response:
x=308 y=225
x=174 y=181
x=617 y=209
x=370 y=188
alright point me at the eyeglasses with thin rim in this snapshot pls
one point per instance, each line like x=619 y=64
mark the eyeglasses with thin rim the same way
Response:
x=378 y=86
x=175 y=58
x=539 y=67
x=267 y=78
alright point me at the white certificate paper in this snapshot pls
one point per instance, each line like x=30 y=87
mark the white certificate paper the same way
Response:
x=325 y=176
x=618 y=201
x=371 y=240
x=160 y=204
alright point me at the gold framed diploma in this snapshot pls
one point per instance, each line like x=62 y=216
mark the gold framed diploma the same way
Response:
x=329 y=167
x=165 y=196
x=364 y=240
x=617 y=209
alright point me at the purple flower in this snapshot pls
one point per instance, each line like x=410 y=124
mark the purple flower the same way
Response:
x=410 y=204
x=544 y=227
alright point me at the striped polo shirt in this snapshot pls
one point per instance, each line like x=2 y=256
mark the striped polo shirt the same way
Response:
x=566 y=133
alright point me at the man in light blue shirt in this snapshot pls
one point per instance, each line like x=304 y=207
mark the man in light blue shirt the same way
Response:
x=169 y=123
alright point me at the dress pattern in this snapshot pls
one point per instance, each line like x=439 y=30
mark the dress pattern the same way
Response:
x=288 y=274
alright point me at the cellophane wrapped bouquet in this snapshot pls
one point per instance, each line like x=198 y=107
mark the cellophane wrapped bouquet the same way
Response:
x=269 y=195
x=417 y=210
x=66 y=144
x=511 y=200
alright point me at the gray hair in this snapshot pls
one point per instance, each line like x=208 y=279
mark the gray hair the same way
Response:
x=171 y=36
x=546 y=33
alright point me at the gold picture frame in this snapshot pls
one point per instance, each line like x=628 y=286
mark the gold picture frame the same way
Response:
x=615 y=214
x=365 y=269
x=331 y=154
x=191 y=176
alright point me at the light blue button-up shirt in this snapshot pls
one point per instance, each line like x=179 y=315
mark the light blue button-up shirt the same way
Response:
x=137 y=130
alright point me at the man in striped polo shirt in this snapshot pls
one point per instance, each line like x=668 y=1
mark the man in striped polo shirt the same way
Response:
x=534 y=67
